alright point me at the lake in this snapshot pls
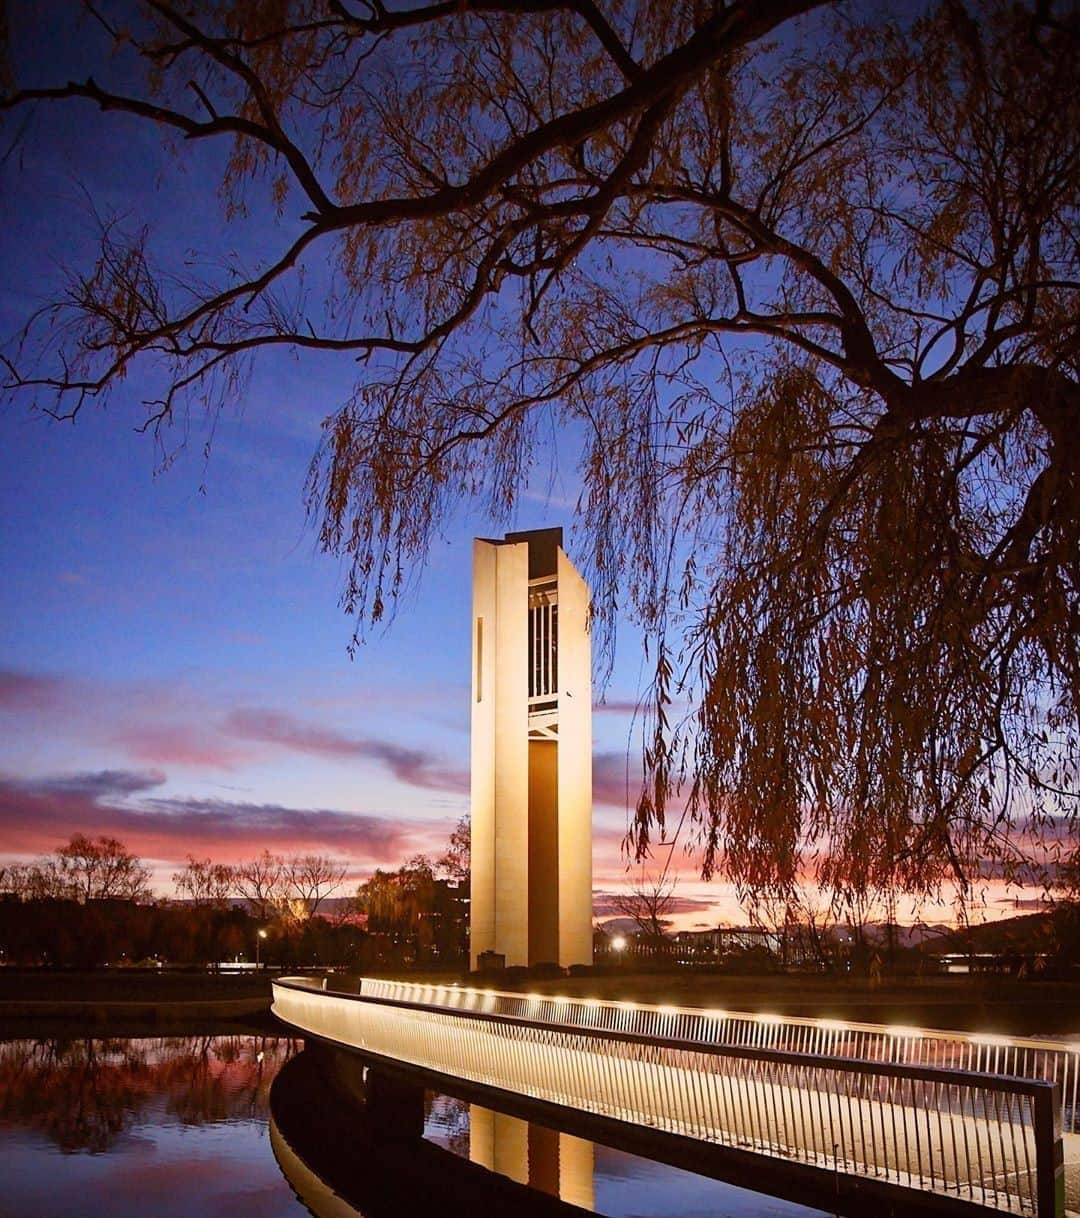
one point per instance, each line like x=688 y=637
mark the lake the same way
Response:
x=243 y=1126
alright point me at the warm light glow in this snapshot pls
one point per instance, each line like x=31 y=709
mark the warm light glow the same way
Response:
x=262 y=934
x=912 y=1032
x=768 y=1018
x=991 y=1039
x=618 y=944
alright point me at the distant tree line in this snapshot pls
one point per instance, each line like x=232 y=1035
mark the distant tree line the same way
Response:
x=86 y=869
x=90 y=903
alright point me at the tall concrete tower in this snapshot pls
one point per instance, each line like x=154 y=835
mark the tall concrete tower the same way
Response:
x=531 y=883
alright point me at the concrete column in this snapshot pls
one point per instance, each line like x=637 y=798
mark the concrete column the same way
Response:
x=500 y=757
x=575 y=768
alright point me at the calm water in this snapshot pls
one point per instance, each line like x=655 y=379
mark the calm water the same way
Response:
x=197 y=1126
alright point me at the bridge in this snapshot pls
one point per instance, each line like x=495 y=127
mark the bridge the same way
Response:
x=854 y=1116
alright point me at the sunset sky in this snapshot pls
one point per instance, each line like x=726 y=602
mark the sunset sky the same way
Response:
x=173 y=660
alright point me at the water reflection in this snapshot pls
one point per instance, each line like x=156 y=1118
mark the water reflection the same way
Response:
x=125 y=1128
x=473 y=1161
x=84 y=1094
x=221 y=1126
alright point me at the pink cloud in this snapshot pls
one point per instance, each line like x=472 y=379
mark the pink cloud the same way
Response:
x=180 y=744
x=616 y=779
x=415 y=767
x=24 y=692
x=37 y=816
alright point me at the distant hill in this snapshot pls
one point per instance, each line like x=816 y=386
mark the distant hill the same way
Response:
x=1024 y=934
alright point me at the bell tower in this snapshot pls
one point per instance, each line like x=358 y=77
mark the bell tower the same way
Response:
x=531 y=888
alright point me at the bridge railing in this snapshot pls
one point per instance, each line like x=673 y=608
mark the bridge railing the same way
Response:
x=980 y=1138
x=1054 y=1061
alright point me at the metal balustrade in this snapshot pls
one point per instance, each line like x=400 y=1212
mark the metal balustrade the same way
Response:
x=1020 y=1057
x=976 y=1137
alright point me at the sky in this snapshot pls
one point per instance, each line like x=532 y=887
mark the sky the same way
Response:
x=174 y=664
x=173 y=658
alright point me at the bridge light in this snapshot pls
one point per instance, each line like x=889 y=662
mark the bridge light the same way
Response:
x=618 y=944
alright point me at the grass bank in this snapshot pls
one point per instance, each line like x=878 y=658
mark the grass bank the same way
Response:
x=121 y=996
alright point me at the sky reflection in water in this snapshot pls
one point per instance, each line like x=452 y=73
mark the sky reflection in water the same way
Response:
x=179 y=1126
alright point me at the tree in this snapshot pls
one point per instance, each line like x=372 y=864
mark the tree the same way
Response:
x=262 y=883
x=648 y=903
x=802 y=283
x=204 y=882
x=312 y=878
x=456 y=862
x=402 y=904
x=100 y=869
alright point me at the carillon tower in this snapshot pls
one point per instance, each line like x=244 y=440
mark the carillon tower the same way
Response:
x=531 y=889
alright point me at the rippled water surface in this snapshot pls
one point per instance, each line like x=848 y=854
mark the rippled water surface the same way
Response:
x=182 y=1126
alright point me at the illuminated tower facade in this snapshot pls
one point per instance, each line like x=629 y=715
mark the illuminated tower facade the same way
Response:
x=531 y=887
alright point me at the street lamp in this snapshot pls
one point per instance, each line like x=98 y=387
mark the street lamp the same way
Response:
x=258 y=943
x=618 y=944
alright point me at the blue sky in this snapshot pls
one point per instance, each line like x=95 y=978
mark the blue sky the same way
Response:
x=173 y=660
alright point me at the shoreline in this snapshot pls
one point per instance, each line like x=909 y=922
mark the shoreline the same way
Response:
x=987 y=1005
x=158 y=1011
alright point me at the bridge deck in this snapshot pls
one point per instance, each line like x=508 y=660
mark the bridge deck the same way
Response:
x=956 y=1137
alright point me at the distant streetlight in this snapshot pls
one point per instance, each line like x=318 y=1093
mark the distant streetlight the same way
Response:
x=258 y=943
x=618 y=944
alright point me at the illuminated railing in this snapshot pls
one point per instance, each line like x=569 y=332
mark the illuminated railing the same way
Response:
x=980 y=1138
x=1054 y=1061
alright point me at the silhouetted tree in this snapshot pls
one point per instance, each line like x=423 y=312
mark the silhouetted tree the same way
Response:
x=312 y=878
x=204 y=882
x=99 y=869
x=648 y=902
x=456 y=862
x=262 y=882
x=800 y=279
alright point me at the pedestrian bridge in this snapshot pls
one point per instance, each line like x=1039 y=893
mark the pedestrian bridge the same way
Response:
x=860 y=1114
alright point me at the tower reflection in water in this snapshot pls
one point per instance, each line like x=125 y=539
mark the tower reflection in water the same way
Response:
x=545 y=1159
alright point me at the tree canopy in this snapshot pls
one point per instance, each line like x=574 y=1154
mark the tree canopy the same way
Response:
x=797 y=282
